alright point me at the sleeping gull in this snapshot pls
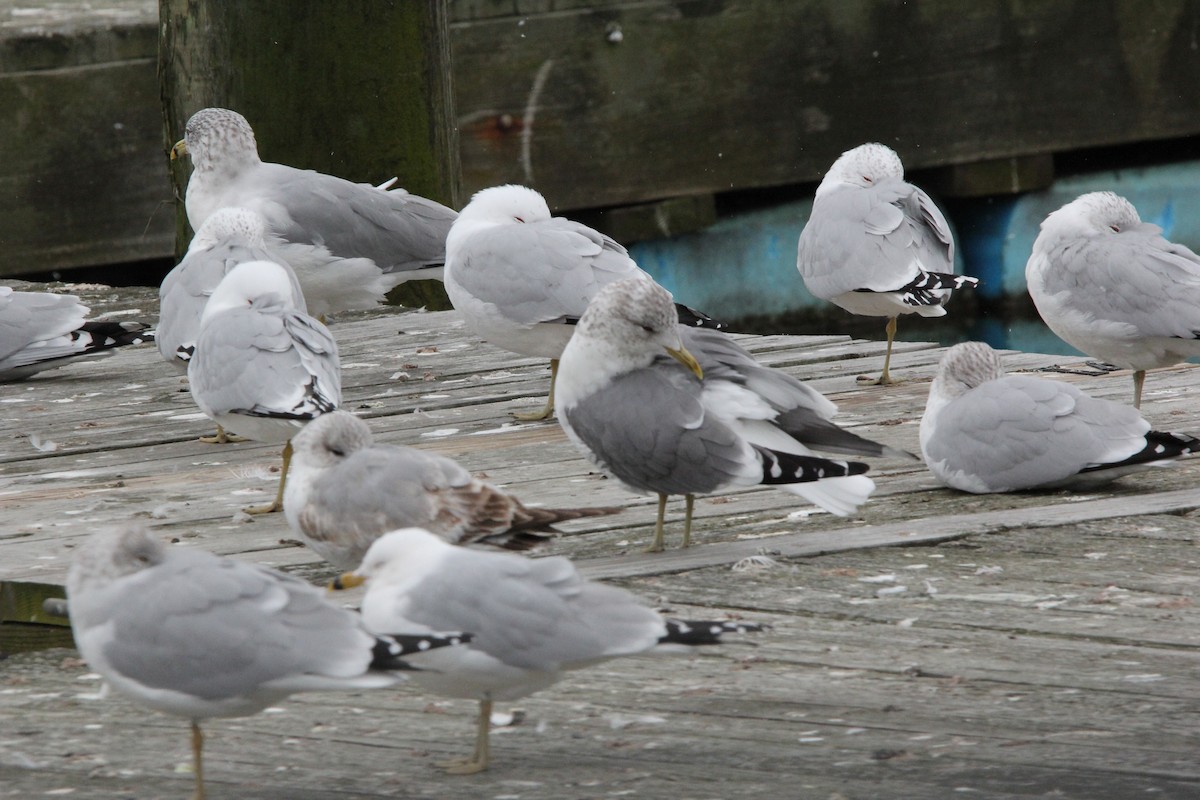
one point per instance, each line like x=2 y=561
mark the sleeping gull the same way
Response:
x=532 y=618
x=662 y=419
x=986 y=432
x=345 y=491
x=192 y=634
x=1111 y=286
x=262 y=368
x=876 y=245
x=365 y=238
x=42 y=330
x=522 y=279
x=229 y=237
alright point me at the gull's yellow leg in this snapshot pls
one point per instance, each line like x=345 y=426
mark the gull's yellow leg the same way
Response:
x=478 y=761
x=548 y=410
x=277 y=503
x=1139 y=377
x=885 y=377
x=657 y=545
x=198 y=759
x=222 y=437
x=690 y=500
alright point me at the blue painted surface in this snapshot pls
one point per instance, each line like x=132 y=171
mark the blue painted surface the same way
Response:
x=745 y=265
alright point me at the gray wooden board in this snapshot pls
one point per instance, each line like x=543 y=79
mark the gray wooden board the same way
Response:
x=1041 y=644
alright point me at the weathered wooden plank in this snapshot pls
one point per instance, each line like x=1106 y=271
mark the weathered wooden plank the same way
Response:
x=671 y=93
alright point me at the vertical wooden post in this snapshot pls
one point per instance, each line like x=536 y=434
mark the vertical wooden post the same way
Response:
x=361 y=89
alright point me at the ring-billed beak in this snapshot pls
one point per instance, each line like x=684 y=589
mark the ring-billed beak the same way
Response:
x=347 y=580
x=179 y=150
x=687 y=359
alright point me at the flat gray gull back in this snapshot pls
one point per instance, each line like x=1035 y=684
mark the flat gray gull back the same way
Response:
x=639 y=405
x=532 y=618
x=984 y=431
x=344 y=491
x=362 y=240
x=1112 y=287
x=522 y=279
x=229 y=237
x=42 y=330
x=876 y=245
x=199 y=636
x=263 y=368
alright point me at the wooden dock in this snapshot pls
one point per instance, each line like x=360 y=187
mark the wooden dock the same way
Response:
x=937 y=645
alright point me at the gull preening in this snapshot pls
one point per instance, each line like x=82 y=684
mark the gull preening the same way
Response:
x=640 y=405
x=42 y=330
x=531 y=619
x=876 y=245
x=522 y=278
x=198 y=636
x=262 y=368
x=344 y=491
x=356 y=240
x=984 y=431
x=1112 y=287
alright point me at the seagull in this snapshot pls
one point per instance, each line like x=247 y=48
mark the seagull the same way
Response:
x=876 y=245
x=984 y=431
x=660 y=418
x=195 y=635
x=1112 y=287
x=262 y=368
x=357 y=240
x=522 y=279
x=42 y=330
x=344 y=491
x=532 y=618
x=231 y=236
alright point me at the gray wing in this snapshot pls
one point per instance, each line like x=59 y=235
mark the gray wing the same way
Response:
x=879 y=239
x=216 y=628
x=30 y=317
x=397 y=230
x=544 y=271
x=186 y=288
x=1019 y=432
x=1134 y=277
x=649 y=429
x=532 y=613
x=265 y=360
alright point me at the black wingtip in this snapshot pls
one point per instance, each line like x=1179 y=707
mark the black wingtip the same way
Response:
x=698 y=319
x=697 y=633
x=390 y=650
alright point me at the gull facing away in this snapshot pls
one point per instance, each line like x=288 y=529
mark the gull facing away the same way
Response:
x=984 y=431
x=532 y=618
x=42 y=330
x=660 y=418
x=1112 y=287
x=522 y=279
x=198 y=636
x=229 y=237
x=262 y=368
x=348 y=242
x=876 y=245
x=345 y=491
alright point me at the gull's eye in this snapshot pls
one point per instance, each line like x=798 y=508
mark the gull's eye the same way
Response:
x=867 y=179
x=1115 y=228
x=337 y=451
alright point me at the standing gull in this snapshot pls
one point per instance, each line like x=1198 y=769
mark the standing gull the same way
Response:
x=876 y=245
x=986 y=432
x=262 y=368
x=365 y=239
x=661 y=419
x=198 y=636
x=522 y=279
x=1111 y=286
x=345 y=491
x=532 y=618
x=42 y=330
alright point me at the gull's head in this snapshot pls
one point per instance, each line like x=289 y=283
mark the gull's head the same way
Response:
x=635 y=320
x=330 y=439
x=1093 y=214
x=217 y=138
x=231 y=224
x=111 y=554
x=864 y=166
x=395 y=551
x=246 y=283
x=509 y=204
x=965 y=366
